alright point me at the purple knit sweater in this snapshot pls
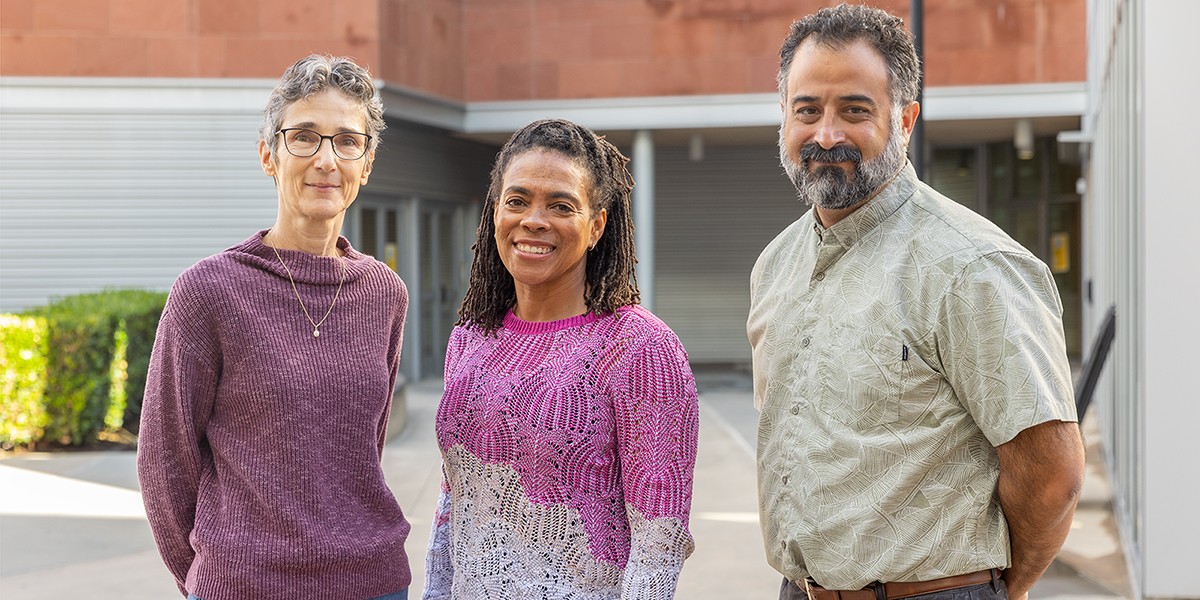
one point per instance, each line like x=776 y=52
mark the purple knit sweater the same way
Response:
x=568 y=450
x=259 y=452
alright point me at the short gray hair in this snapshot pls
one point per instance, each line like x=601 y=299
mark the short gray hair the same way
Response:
x=839 y=26
x=314 y=74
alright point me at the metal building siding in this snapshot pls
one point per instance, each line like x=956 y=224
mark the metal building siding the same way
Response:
x=418 y=168
x=419 y=161
x=121 y=198
x=713 y=217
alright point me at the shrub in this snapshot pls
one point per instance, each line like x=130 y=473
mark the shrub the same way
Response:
x=23 y=342
x=77 y=373
x=118 y=376
x=139 y=319
x=96 y=354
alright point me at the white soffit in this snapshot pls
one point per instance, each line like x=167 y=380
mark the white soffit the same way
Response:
x=758 y=110
x=100 y=94
x=963 y=103
x=122 y=94
x=410 y=105
x=655 y=112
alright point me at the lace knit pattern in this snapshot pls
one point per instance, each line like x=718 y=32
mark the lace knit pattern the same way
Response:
x=568 y=450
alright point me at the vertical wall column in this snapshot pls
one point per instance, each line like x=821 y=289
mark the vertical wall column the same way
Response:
x=643 y=213
x=1168 y=323
x=410 y=272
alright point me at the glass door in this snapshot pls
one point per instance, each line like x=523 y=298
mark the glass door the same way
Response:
x=440 y=288
x=424 y=242
x=379 y=227
x=378 y=234
x=1035 y=202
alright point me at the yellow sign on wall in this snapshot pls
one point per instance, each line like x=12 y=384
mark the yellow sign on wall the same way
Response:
x=1060 y=252
x=391 y=255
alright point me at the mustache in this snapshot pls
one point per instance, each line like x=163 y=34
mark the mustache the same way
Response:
x=814 y=151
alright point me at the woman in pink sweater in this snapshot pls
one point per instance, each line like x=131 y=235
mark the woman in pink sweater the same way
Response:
x=569 y=421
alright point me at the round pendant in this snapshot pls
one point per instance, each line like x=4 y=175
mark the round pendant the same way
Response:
x=316 y=333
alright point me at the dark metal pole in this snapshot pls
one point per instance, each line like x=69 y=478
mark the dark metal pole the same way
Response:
x=916 y=145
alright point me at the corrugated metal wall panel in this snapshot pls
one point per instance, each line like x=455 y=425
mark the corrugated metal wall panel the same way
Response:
x=426 y=162
x=713 y=218
x=95 y=197
x=121 y=199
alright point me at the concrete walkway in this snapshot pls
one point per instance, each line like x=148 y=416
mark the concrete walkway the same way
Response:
x=72 y=524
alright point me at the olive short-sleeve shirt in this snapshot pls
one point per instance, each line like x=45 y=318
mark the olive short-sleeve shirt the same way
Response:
x=892 y=352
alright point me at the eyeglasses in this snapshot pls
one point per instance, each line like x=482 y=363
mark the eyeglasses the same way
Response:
x=303 y=143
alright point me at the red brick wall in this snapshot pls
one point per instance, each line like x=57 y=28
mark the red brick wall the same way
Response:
x=527 y=49
x=973 y=42
x=518 y=49
x=180 y=38
x=421 y=45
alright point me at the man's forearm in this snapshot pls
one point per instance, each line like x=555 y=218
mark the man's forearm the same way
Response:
x=1041 y=472
x=1035 y=541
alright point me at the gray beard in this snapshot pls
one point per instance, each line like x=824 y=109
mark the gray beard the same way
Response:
x=830 y=187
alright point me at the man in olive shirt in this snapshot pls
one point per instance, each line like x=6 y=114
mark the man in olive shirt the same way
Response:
x=917 y=424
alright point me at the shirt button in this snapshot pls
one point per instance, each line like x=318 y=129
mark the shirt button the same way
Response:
x=820 y=276
x=795 y=410
x=805 y=341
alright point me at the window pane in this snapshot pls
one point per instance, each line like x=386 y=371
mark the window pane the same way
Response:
x=370 y=241
x=955 y=174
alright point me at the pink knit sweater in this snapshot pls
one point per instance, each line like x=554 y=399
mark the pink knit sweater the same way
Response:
x=259 y=451
x=568 y=450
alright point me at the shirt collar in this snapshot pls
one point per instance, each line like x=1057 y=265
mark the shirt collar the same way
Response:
x=859 y=223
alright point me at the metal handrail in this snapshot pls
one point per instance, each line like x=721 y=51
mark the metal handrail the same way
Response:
x=1086 y=386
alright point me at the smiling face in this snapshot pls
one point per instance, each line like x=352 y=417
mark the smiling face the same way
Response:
x=544 y=227
x=318 y=188
x=842 y=139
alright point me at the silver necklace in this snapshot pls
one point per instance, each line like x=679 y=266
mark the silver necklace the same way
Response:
x=315 y=324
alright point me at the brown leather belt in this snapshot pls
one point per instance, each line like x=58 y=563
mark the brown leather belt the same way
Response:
x=900 y=589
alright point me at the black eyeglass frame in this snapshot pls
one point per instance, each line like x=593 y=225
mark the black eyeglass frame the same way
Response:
x=322 y=139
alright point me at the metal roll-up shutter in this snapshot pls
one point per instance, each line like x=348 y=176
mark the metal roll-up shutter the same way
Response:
x=92 y=198
x=713 y=217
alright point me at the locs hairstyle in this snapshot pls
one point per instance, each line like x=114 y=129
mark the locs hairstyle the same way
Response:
x=314 y=74
x=845 y=24
x=611 y=282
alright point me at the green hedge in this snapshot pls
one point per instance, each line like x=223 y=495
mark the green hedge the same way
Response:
x=96 y=354
x=77 y=374
x=140 y=320
x=23 y=343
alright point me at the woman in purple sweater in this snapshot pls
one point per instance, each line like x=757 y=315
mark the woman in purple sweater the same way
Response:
x=272 y=373
x=568 y=425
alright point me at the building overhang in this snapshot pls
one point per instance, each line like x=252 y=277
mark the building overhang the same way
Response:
x=1024 y=101
x=954 y=114
x=720 y=111
x=155 y=95
x=958 y=110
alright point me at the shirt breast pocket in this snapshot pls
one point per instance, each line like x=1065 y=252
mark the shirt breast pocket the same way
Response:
x=860 y=379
